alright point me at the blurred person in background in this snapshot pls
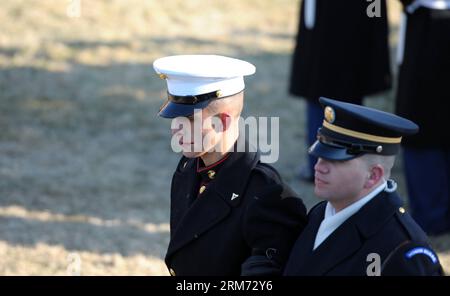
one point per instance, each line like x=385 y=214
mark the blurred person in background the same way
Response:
x=340 y=52
x=423 y=92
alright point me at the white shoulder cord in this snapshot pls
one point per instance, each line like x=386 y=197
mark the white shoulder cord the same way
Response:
x=401 y=38
x=310 y=13
x=391 y=186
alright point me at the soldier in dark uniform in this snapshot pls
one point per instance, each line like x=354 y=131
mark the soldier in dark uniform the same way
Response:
x=361 y=228
x=424 y=74
x=340 y=52
x=231 y=214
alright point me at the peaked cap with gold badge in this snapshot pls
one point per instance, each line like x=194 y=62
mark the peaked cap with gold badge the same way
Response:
x=350 y=130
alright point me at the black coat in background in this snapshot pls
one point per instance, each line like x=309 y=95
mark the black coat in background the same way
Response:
x=381 y=226
x=345 y=56
x=424 y=77
x=249 y=235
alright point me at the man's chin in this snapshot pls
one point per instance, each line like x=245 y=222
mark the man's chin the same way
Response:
x=321 y=194
x=192 y=154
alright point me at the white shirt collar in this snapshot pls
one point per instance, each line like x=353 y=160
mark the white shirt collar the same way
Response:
x=333 y=220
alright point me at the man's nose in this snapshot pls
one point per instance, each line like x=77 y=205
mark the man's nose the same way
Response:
x=321 y=166
x=177 y=125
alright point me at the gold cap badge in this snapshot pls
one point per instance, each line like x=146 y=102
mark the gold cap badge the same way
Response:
x=162 y=76
x=329 y=114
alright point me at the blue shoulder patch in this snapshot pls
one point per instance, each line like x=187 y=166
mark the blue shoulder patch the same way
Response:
x=422 y=250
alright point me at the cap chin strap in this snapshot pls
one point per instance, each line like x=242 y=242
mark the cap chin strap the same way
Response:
x=191 y=100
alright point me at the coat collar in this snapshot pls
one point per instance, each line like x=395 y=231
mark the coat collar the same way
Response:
x=235 y=172
x=225 y=192
x=374 y=215
x=351 y=234
x=234 y=176
x=210 y=172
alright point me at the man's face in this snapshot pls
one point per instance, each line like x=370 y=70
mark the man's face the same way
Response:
x=197 y=134
x=340 y=180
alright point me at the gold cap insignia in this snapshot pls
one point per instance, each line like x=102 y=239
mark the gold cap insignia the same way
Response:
x=329 y=114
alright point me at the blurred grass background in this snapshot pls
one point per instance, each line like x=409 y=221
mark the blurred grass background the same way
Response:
x=85 y=163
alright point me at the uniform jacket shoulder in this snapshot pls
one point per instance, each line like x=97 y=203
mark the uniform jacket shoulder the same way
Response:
x=266 y=182
x=268 y=173
x=412 y=259
x=272 y=207
x=413 y=231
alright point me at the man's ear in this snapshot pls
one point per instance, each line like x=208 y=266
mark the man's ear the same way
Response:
x=376 y=173
x=225 y=118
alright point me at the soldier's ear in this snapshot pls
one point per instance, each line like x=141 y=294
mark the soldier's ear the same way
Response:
x=374 y=175
x=225 y=118
x=221 y=122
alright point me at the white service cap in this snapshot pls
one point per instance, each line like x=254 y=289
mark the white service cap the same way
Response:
x=194 y=80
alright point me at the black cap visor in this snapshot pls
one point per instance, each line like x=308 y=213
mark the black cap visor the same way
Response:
x=172 y=110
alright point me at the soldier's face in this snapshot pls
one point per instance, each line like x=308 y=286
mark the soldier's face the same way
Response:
x=197 y=134
x=340 y=181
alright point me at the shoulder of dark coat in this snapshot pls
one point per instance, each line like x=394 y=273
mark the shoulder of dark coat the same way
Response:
x=268 y=173
x=413 y=255
x=412 y=258
x=268 y=189
x=412 y=230
x=268 y=176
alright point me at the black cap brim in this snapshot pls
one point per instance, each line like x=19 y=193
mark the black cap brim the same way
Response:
x=172 y=110
x=330 y=152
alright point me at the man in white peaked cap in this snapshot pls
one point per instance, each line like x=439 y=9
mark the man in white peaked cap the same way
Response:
x=230 y=213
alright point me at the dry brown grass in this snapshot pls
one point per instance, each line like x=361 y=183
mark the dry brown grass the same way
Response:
x=85 y=164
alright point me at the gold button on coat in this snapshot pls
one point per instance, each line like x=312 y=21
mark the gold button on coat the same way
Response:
x=211 y=174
